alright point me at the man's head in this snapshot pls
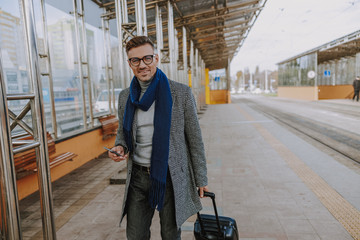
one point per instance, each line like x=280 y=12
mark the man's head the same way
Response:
x=357 y=77
x=141 y=57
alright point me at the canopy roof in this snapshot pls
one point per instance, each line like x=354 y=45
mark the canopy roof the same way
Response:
x=218 y=28
x=345 y=46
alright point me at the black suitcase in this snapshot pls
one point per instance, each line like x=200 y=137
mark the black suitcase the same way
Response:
x=209 y=227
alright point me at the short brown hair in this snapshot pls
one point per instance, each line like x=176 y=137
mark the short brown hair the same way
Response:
x=137 y=42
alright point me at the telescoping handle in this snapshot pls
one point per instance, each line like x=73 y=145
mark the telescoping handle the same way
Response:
x=212 y=196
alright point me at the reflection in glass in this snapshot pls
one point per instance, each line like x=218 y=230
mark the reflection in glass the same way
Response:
x=13 y=53
x=295 y=72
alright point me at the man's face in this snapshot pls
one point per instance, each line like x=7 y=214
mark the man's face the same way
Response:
x=143 y=72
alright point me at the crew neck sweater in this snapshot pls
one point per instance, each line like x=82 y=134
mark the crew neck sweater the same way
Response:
x=144 y=130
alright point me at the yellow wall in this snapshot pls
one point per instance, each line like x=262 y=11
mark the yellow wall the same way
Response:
x=317 y=93
x=87 y=146
x=190 y=81
x=207 y=86
x=219 y=96
x=336 y=92
x=304 y=93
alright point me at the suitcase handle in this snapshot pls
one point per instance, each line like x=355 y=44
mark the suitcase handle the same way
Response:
x=212 y=196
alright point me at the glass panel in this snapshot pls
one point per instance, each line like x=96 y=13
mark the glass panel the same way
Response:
x=337 y=72
x=67 y=85
x=13 y=48
x=14 y=58
x=296 y=72
x=43 y=62
x=217 y=79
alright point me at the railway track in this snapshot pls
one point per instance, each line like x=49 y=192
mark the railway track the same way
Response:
x=339 y=140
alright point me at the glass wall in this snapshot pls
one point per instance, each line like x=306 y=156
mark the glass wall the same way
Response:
x=217 y=79
x=337 y=72
x=70 y=93
x=14 y=58
x=296 y=72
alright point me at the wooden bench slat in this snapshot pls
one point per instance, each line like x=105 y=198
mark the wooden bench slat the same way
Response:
x=109 y=125
x=26 y=161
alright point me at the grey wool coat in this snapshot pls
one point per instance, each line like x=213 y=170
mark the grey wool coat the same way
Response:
x=187 y=163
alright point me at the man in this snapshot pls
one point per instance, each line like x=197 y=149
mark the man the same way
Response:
x=356 y=85
x=159 y=134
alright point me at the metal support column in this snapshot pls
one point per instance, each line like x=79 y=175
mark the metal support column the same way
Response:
x=86 y=62
x=79 y=61
x=10 y=213
x=159 y=32
x=140 y=14
x=196 y=80
x=192 y=64
x=228 y=77
x=176 y=56
x=39 y=125
x=184 y=41
x=125 y=21
x=119 y=21
x=171 y=41
x=49 y=70
x=108 y=66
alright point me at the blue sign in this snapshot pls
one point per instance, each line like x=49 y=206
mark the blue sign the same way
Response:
x=46 y=95
x=327 y=73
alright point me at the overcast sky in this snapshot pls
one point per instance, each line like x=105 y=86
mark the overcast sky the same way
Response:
x=286 y=28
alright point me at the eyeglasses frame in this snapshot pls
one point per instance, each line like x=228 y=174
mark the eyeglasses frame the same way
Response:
x=142 y=59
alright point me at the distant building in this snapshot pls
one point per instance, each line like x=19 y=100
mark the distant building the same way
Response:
x=13 y=53
x=325 y=72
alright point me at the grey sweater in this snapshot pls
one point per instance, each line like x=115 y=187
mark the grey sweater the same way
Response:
x=144 y=131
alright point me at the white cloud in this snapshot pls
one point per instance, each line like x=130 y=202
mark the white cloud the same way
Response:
x=286 y=28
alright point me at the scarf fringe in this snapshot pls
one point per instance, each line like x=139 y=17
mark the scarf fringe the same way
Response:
x=157 y=194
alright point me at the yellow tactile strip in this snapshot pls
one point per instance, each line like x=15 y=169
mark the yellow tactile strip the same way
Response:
x=341 y=209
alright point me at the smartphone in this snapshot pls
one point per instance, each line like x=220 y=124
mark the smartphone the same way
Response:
x=117 y=154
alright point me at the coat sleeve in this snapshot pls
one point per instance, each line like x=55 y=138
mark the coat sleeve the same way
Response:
x=120 y=140
x=194 y=141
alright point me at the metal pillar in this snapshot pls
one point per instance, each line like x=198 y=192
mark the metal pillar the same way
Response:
x=119 y=20
x=125 y=21
x=266 y=82
x=196 y=78
x=228 y=77
x=86 y=62
x=124 y=12
x=10 y=213
x=186 y=76
x=39 y=130
x=176 y=56
x=159 y=32
x=140 y=14
x=171 y=41
x=49 y=70
x=79 y=61
x=108 y=66
x=192 y=64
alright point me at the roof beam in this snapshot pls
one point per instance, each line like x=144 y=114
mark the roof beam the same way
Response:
x=200 y=36
x=223 y=17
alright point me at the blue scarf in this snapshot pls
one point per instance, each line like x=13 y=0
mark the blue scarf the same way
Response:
x=158 y=90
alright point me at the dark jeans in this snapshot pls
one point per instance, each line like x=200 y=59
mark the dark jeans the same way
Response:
x=140 y=214
x=356 y=94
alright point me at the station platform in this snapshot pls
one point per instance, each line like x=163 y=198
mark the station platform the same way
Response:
x=277 y=185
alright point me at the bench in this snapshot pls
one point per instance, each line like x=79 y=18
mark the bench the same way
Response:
x=109 y=125
x=25 y=162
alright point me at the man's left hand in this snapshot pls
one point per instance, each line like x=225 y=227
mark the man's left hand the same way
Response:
x=202 y=190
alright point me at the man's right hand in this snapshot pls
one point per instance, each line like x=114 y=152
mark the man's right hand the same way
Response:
x=119 y=150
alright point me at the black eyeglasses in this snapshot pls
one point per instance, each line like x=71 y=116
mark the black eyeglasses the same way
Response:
x=148 y=59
